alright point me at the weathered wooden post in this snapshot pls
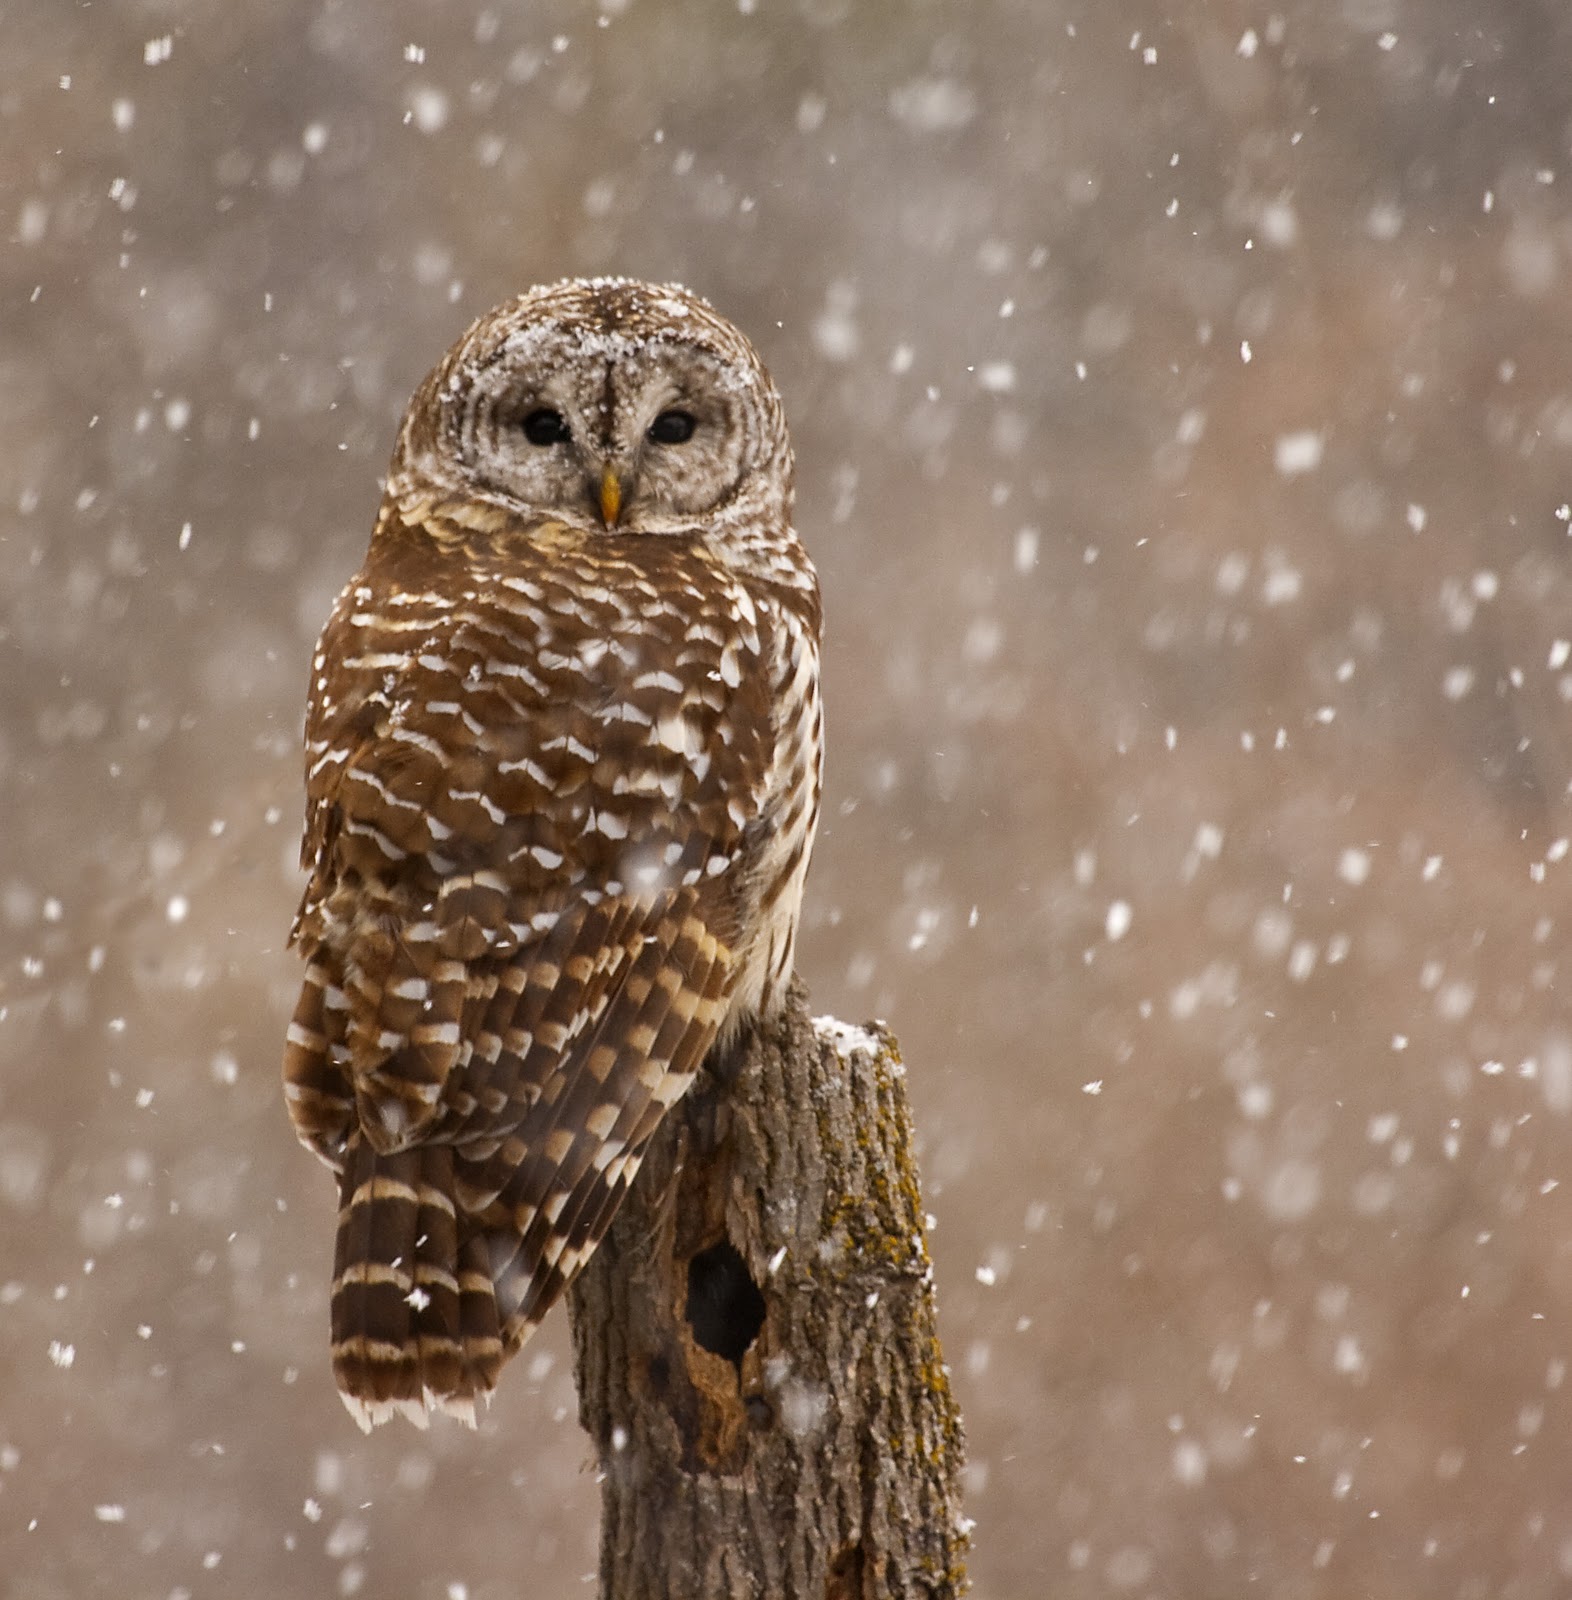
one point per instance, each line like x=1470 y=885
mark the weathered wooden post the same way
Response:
x=755 y=1342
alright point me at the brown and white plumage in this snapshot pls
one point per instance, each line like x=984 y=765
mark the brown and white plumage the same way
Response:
x=563 y=751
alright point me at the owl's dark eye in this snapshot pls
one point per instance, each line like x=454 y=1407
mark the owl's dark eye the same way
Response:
x=673 y=427
x=546 y=427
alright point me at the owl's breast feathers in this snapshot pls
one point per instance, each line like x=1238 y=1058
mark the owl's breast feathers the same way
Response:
x=510 y=741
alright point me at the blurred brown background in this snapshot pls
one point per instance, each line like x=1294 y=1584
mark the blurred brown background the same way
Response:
x=1183 y=400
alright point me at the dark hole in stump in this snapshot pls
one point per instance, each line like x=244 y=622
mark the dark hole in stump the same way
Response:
x=725 y=1308
x=846 y=1576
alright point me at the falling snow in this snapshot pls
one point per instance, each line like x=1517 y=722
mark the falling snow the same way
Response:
x=1184 y=433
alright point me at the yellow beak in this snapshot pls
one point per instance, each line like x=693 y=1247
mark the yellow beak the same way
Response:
x=610 y=495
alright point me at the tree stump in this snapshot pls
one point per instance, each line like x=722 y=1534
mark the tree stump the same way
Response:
x=755 y=1343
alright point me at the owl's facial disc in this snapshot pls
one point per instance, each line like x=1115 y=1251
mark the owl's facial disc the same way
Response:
x=644 y=435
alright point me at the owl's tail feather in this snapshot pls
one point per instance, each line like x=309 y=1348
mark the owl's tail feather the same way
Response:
x=414 y=1316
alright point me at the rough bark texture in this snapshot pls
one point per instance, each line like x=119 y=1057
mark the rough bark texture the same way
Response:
x=755 y=1342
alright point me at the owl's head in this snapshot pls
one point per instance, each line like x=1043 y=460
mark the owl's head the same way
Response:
x=609 y=404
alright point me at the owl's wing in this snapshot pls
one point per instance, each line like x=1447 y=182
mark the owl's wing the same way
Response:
x=467 y=786
x=575 y=1049
x=534 y=826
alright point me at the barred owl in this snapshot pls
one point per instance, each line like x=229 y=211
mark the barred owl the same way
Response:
x=562 y=771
